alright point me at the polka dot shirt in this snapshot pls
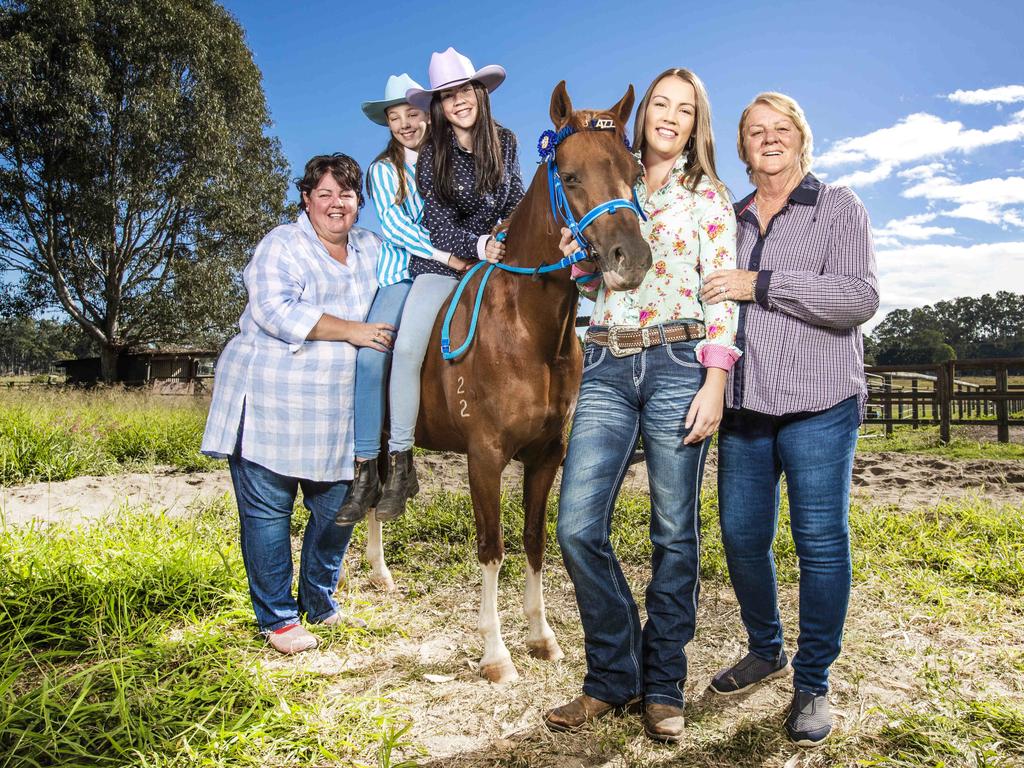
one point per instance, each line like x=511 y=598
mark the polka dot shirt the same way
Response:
x=457 y=228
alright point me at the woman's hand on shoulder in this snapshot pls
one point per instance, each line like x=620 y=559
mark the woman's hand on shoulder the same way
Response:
x=728 y=285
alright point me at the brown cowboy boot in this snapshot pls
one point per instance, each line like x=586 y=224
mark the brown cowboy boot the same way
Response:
x=400 y=486
x=581 y=711
x=362 y=495
x=664 y=722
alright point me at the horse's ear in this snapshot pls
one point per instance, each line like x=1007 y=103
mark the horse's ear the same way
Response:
x=624 y=107
x=561 y=105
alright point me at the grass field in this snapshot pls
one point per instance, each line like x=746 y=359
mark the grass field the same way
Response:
x=132 y=643
x=60 y=434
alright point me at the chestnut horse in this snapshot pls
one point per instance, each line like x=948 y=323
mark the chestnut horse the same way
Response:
x=510 y=395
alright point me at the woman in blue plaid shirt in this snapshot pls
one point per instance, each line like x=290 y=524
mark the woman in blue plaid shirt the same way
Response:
x=282 y=407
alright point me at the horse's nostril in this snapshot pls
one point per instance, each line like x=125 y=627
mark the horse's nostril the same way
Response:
x=618 y=255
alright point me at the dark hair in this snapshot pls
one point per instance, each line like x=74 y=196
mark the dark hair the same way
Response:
x=487 y=160
x=394 y=153
x=343 y=168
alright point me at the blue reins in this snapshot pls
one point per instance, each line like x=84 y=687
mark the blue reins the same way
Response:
x=561 y=211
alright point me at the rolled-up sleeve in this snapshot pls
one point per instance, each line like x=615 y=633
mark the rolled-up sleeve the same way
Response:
x=845 y=293
x=275 y=282
x=717 y=250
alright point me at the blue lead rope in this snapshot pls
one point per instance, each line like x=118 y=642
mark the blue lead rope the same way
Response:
x=560 y=210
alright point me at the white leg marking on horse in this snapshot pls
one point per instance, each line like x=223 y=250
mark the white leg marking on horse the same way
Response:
x=496 y=664
x=541 y=639
x=380 y=576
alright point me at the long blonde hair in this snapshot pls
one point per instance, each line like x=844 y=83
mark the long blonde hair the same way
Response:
x=700 y=149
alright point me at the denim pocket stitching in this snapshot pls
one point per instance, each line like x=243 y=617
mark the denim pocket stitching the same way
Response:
x=598 y=361
x=684 y=363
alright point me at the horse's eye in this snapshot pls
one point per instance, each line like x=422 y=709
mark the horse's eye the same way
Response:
x=570 y=179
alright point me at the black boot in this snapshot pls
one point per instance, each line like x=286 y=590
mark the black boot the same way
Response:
x=363 y=494
x=400 y=486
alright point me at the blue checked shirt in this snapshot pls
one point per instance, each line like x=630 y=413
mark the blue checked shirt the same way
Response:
x=400 y=224
x=297 y=394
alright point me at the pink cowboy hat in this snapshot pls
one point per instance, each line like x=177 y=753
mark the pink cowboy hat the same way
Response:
x=450 y=69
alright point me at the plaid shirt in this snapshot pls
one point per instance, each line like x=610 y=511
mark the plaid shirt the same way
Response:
x=816 y=284
x=297 y=394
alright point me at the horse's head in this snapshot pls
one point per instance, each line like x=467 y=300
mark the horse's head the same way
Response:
x=595 y=166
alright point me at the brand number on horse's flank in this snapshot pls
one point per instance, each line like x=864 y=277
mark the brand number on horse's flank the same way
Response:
x=463 y=405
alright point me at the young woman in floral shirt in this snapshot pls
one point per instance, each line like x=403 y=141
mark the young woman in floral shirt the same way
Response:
x=655 y=365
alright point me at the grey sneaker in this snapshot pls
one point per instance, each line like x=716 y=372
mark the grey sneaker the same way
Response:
x=748 y=672
x=809 y=721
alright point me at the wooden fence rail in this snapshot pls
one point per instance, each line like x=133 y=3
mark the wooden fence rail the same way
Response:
x=932 y=394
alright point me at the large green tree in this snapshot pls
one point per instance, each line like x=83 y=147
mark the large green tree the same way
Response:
x=964 y=328
x=136 y=171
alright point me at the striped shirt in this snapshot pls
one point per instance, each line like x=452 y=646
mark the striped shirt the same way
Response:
x=399 y=223
x=816 y=284
x=297 y=394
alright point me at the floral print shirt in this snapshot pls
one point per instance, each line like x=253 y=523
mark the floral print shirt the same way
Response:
x=691 y=234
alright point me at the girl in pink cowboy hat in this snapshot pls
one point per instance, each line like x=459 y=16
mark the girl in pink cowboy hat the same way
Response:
x=391 y=185
x=468 y=175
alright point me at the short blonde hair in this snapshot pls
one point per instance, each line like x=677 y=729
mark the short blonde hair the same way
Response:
x=700 y=152
x=784 y=105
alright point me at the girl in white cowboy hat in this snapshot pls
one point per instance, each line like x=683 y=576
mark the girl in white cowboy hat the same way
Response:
x=468 y=175
x=391 y=185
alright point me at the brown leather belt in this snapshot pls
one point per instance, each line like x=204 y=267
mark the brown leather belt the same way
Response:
x=623 y=340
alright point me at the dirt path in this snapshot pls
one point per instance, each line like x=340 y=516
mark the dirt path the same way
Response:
x=878 y=478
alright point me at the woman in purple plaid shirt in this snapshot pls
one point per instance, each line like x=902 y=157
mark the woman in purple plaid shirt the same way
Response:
x=795 y=401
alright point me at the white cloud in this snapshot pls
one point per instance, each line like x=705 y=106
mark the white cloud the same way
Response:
x=915 y=137
x=987 y=200
x=910 y=228
x=921 y=172
x=1006 y=94
x=880 y=172
x=914 y=275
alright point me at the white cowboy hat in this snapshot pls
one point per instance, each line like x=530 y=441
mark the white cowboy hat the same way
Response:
x=394 y=93
x=450 y=69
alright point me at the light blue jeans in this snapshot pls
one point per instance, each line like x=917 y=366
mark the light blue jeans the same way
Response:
x=428 y=293
x=648 y=394
x=372 y=371
x=265 y=501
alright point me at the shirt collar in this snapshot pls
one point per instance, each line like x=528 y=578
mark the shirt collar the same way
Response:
x=805 y=193
x=411 y=156
x=675 y=176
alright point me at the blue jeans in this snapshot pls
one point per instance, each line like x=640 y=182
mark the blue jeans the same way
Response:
x=649 y=394
x=265 y=501
x=428 y=293
x=815 y=451
x=372 y=371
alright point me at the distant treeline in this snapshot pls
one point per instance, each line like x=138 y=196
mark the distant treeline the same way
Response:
x=963 y=329
x=28 y=345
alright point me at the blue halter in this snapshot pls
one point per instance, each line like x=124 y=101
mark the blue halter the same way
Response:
x=561 y=211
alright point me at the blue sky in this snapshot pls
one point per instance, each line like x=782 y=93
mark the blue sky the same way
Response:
x=919 y=106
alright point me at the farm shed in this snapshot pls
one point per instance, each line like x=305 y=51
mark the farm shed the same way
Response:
x=174 y=370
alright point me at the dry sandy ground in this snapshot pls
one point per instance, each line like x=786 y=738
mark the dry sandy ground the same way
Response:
x=880 y=478
x=422 y=648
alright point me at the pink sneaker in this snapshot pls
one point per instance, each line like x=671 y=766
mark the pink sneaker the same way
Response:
x=339 y=618
x=292 y=638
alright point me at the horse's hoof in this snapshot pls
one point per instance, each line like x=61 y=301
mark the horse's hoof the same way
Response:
x=383 y=583
x=499 y=672
x=547 y=649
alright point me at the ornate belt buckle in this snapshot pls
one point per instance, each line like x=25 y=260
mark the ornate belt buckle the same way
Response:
x=613 y=342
